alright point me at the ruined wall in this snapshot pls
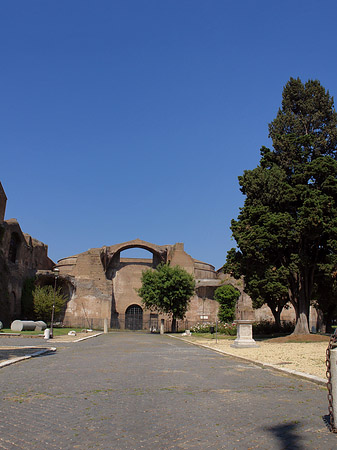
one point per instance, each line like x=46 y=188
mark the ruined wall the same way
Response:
x=126 y=280
x=105 y=284
x=20 y=258
x=178 y=257
x=204 y=270
x=91 y=300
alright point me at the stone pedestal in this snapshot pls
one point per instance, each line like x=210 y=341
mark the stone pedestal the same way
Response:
x=244 y=334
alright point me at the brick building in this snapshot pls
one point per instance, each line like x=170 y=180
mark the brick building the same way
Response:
x=101 y=284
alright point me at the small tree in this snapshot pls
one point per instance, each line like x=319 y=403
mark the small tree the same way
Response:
x=43 y=302
x=167 y=290
x=227 y=297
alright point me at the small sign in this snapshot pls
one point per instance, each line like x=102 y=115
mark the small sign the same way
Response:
x=203 y=317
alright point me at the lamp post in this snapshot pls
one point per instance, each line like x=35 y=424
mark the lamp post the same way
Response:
x=56 y=274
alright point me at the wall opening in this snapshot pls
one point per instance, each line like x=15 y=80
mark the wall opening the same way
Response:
x=14 y=246
x=136 y=253
x=134 y=318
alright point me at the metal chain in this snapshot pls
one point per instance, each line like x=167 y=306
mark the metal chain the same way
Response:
x=332 y=344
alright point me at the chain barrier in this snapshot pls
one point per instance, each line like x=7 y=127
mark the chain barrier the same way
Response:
x=332 y=344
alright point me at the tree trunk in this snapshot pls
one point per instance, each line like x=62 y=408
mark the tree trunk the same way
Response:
x=302 y=316
x=277 y=316
x=328 y=319
x=174 y=325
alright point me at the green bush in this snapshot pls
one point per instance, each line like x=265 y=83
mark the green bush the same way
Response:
x=266 y=327
x=223 y=328
x=227 y=297
x=43 y=302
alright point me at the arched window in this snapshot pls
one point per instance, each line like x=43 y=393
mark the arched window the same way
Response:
x=14 y=245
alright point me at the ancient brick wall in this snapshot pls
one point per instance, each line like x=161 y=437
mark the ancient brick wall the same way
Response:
x=20 y=258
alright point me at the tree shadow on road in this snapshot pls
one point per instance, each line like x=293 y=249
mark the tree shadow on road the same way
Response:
x=287 y=435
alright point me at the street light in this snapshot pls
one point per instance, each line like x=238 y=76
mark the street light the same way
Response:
x=56 y=274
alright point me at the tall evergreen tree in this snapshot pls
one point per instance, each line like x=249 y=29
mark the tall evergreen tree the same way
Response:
x=286 y=232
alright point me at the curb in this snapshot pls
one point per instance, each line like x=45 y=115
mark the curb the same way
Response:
x=88 y=337
x=76 y=340
x=22 y=358
x=304 y=376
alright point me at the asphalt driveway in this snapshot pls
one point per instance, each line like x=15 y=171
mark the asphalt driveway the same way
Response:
x=143 y=391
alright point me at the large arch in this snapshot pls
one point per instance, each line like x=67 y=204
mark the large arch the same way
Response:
x=110 y=256
x=125 y=274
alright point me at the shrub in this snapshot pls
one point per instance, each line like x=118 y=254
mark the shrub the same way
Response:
x=265 y=327
x=227 y=297
x=223 y=328
x=43 y=302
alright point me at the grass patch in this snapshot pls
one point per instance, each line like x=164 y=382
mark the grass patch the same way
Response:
x=213 y=336
x=56 y=331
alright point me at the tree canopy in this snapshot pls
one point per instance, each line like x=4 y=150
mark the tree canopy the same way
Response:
x=168 y=290
x=286 y=232
x=227 y=297
x=43 y=302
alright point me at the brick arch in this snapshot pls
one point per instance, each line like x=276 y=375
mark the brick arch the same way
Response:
x=111 y=255
x=138 y=243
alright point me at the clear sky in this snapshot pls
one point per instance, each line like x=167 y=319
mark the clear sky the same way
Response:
x=125 y=119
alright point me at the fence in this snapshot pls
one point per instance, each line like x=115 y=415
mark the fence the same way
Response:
x=150 y=322
x=135 y=322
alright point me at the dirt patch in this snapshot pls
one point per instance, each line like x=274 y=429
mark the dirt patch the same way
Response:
x=299 y=338
x=71 y=338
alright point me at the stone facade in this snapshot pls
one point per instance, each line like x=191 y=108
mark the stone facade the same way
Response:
x=100 y=284
x=21 y=256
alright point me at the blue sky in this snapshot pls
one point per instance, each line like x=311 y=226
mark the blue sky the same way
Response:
x=124 y=119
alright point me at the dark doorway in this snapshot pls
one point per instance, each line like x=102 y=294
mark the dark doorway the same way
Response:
x=14 y=245
x=134 y=318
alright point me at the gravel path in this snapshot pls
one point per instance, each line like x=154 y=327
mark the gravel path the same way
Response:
x=303 y=357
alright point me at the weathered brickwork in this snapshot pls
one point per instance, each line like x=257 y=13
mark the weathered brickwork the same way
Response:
x=21 y=256
x=104 y=284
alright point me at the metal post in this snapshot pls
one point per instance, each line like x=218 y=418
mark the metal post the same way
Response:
x=216 y=331
x=333 y=370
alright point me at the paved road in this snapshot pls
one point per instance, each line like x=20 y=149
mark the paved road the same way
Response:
x=143 y=391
